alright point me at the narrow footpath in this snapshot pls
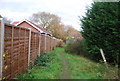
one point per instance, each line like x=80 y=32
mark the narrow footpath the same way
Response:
x=65 y=74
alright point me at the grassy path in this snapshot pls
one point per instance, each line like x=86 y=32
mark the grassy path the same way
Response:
x=68 y=66
x=65 y=74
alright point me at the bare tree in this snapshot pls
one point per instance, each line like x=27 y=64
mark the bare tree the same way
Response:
x=50 y=22
x=44 y=19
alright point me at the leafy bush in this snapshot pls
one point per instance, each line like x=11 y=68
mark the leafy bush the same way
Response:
x=42 y=60
x=75 y=46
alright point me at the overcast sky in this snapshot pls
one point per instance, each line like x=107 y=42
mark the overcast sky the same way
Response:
x=68 y=10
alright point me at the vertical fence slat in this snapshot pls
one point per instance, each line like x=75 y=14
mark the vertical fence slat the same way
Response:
x=29 y=47
x=1 y=46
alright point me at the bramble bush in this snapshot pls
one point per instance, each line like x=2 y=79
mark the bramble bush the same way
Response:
x=42 y=60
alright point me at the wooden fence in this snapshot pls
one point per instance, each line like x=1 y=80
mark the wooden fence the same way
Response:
x=19 y=47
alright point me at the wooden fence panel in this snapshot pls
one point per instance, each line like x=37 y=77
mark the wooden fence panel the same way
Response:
x=18 y=43
x=22 y=47
x=52 y=43
x=23 y=43
x=42 y=44
x=32 y=52
x=16 y=51
x=7 y=52
x=34 y=46
x=49 y=44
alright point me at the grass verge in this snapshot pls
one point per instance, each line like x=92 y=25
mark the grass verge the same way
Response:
x=79 y=67
x=83 y=68
x=51 y=71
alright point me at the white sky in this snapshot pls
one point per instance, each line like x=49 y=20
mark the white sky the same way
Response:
x=68 y=10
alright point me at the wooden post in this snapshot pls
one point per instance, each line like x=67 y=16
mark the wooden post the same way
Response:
x=101 y=51
x=29 y=47
x=1 y=46
x=107 y=68
x=39 y=44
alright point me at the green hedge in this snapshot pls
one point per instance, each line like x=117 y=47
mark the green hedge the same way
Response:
x=100 y=30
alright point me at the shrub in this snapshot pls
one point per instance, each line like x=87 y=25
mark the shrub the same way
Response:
x=75 y=46
x=42 y=60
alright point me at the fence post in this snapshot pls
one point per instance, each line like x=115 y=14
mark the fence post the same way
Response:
x=1 y=46
x=39 y=45
x=29 y=47
x=101 y=51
